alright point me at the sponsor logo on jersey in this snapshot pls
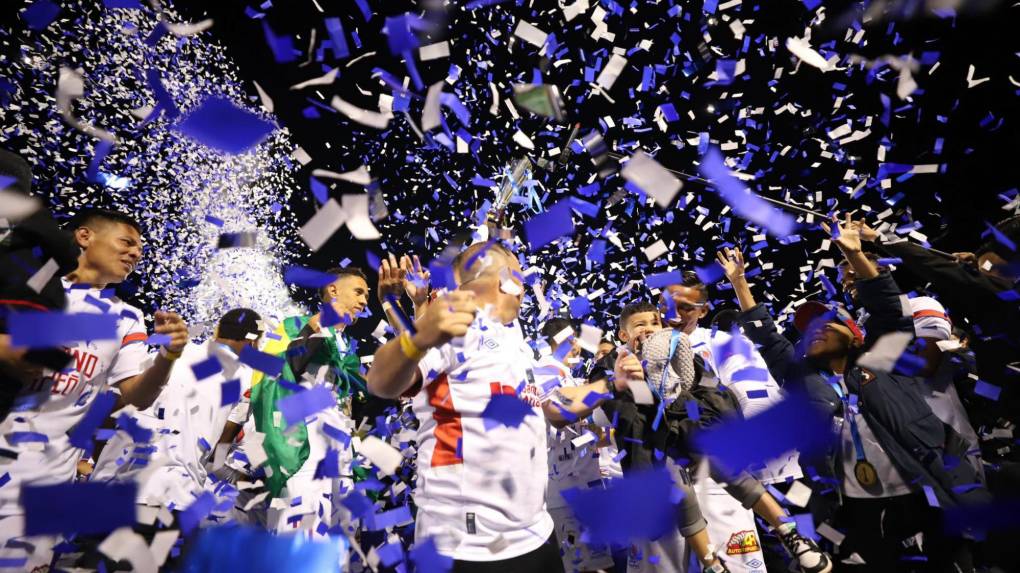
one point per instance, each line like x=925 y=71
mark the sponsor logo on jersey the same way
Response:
x=491 y=343
x=742 y=542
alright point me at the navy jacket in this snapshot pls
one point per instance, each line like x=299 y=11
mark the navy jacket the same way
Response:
x=915 y=439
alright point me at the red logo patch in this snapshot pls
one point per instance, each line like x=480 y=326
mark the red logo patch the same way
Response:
x=742 y=542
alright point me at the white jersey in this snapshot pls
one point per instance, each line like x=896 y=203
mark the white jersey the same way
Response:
x=51 y=406
x=573 y=449
x=480 y=491
x=736 y=363
x=186 y=421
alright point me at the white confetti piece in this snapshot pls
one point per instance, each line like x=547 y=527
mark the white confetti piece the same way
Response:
x=530 y=34
x=362 y=116
x=359 y=176
x=323 y=80
x=523 y=140
x=383 y=455
x=430 y=111
x=322 y=225
x=15 y=206
x=655 y=250
x=359 y=223
x=434 y=51
x=43 y=276
x=799 y=494
x=886 y=351
x=803 y=50
x=611 y=72
x=657 y=182
x=126 y=545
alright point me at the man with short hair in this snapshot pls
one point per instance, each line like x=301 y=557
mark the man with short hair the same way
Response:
x=315 y=351
x=481 y=475
x=55 y=402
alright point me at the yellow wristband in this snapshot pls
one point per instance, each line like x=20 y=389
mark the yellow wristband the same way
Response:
x=407 y=346
x=171 y=356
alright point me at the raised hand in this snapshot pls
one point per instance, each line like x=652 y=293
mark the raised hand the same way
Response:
x=391 y=278
x=732 y=262
x=449 y=316
x=171 y=324
x=867 y=233
x=419 y=293
x=849 y=238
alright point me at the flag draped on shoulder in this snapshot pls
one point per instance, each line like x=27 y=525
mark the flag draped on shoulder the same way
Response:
x=304 y=351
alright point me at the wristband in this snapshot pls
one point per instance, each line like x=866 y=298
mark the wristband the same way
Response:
x=165 y=353
x=408 y=347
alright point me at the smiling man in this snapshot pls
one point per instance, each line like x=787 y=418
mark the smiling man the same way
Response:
x=52 y=405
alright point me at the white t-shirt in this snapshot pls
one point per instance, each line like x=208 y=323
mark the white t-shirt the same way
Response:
x=53 y=404
x=573 y=449
x=187 y=421
x=890 y=482
x=727 y=358
x=480 y=491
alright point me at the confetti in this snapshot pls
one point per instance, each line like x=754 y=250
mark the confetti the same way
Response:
x=44 y=329
x=101 y=507
x=221 y=125
x=301 y=405
x=635 y=507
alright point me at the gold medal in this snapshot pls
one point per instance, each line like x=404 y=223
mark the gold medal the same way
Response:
x=865 y=472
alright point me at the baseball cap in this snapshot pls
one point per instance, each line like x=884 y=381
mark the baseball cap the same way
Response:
x=813 y=310
x=930 y=318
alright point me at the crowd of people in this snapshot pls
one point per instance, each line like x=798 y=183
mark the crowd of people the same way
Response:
x=498 y=436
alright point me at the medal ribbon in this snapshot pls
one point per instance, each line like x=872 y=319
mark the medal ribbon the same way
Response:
x=848 y=415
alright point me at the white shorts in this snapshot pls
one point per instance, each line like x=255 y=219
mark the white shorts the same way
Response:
x=577 y=556
x=731 y=529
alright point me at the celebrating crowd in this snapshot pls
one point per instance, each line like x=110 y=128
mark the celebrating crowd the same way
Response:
x=910 y=400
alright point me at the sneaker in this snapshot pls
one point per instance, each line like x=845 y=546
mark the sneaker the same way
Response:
x=807 y=557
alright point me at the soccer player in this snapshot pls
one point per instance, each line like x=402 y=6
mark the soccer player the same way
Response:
x=53 y=404
x=481 y=475
x=315 y=346
x=574 y=460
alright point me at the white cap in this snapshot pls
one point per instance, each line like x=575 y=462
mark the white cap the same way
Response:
x=930 y=318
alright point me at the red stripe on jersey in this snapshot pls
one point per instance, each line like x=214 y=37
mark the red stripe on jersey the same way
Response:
x=931 y=312
x=448 y=427
x=134 y=337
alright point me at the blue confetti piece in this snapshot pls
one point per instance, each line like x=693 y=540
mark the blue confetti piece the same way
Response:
x=929 y=494
x=219 y=124
x=580 y=307
x=230 y=392
x=5 y=478
x=305 y=277
x=750 y=373
x=889 y=261
x=125 y=4
x=319 y=190
x=743 y=202
x=990 y=391
x=214 y=220
x=158 y=340
x=1000 y=515
x=27 y=437
x=337 y=434
x=693 y=412
x=199 y=509
x=384 y=519
x=358 y=504
x=40 y=14
x=545 y=228
x=505 y=409
x=266 y=363
x=296 y=407
x=45 y=329
x=206 y=368
x=757 y=394
x=390 y=554
x=427 y=559
x=81 y=436
x=98 y=507
x=139 y=434
x=1008 y=295
x=329 y=465
x=710 y=273
x=806 y=525
x=365 y=10
x=792 y=424
x=637 y=507
x=281 y=46
x=812 y=4
x=335 y=28
x=663 y=280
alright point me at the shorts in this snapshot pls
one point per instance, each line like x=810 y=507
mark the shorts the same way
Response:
x=731 y=529
x=667 y=554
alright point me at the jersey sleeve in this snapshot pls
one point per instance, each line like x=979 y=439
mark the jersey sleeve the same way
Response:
x=744 y=372
x=133 y=354
x=239 y=413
